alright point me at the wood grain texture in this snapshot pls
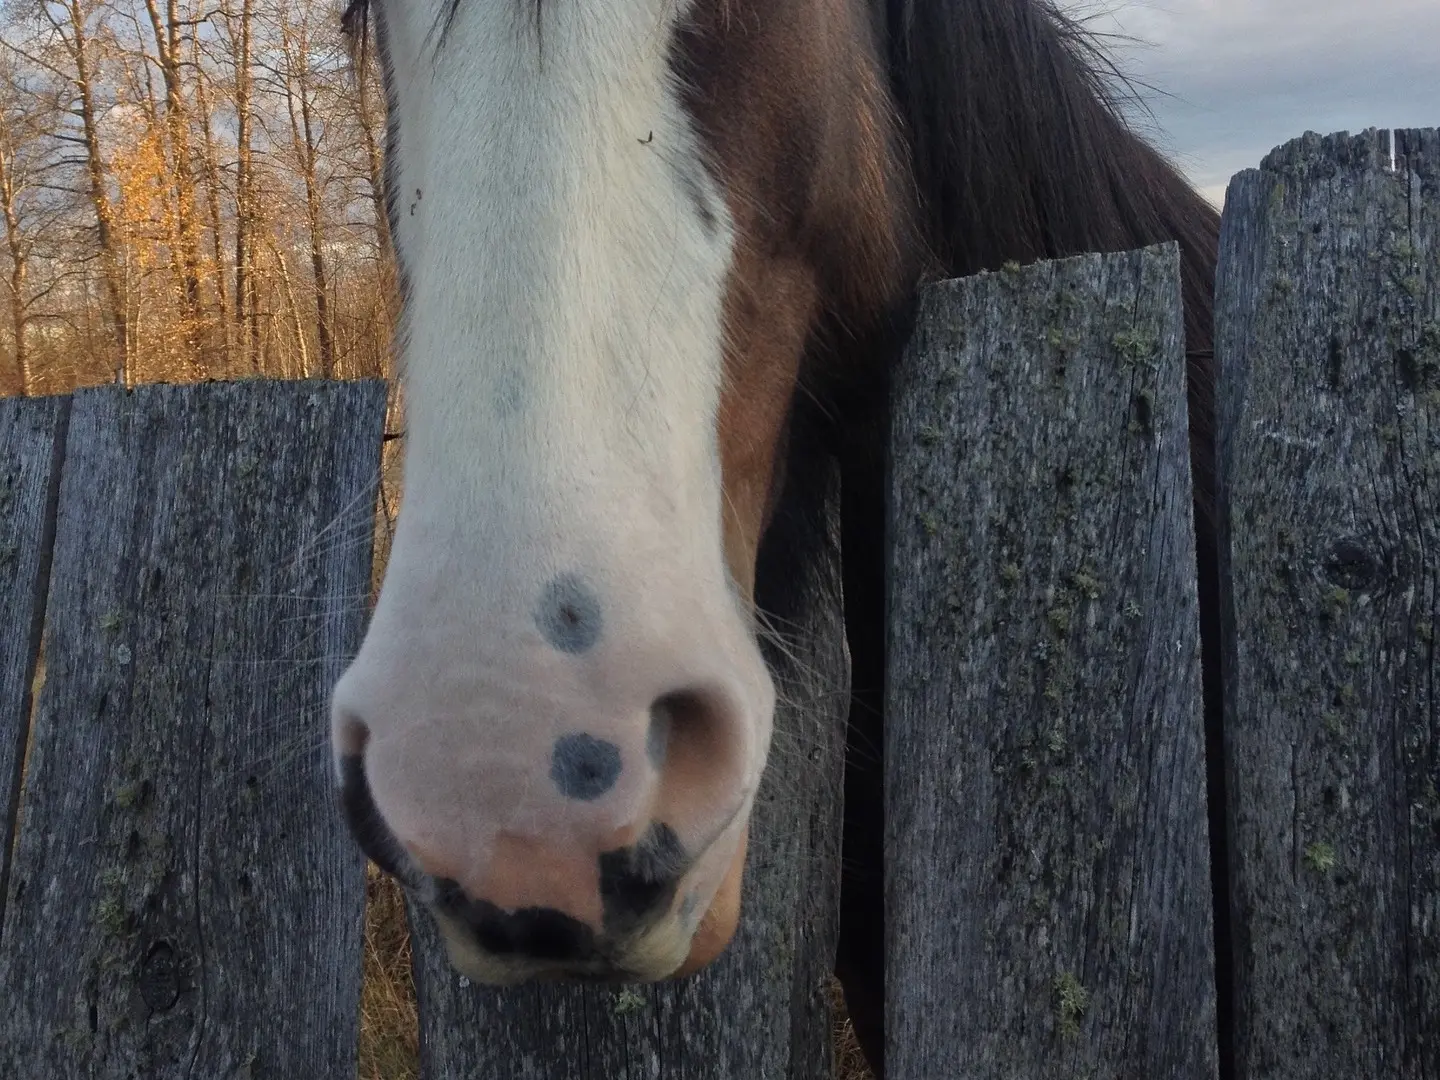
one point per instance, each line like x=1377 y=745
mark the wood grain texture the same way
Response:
x=32 y=438
x=1048 y=889
x=185 y=901
x=1328 y=339
x=761 y=1012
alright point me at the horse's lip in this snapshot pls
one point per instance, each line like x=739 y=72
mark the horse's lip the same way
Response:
x=614 y=975
x=601 y=968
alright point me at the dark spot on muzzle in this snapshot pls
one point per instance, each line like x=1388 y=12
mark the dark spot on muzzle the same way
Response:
x=639 y=881
x=584 y=767
x=539 y=933
x=569 y=614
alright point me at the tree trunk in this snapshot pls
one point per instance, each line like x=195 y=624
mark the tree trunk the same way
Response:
x=246 y=324
x=112 y=259
x=317 y=245
x=298 y=91
x=17 y=380
x=167 y=46
x=294 y=308
x=212 y=203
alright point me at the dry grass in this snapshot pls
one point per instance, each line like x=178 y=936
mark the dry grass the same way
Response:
x=850 y=1061
x=389 y=1028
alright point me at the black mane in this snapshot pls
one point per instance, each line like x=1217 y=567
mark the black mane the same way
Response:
x=1018 y=153
x=1017 y=149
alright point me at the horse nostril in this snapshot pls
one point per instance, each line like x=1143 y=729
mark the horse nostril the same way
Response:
x=693 y=712
x=701 y=745
x=349 y=735
x=657 y=738
x=363 y=816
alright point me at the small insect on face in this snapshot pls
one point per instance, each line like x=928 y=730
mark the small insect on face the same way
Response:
x=556 y=724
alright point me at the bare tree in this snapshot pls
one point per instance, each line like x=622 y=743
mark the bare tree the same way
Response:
x=204 y=196
x=297 y=79
x=239 y=28
x=18 y=246
x=371 y=119
x=69 y=21
x=169 y=46
x=211 y=162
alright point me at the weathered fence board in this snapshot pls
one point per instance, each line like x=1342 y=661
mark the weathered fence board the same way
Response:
x=32 y=435
x=1328 y=336
x=1048 y=889
x=184 y=900
x=761 y=1011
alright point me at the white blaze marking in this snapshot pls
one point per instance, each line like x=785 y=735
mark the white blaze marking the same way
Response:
x=563 y=335
x=563 y=351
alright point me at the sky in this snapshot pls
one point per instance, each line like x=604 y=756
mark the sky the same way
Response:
x=1232 y=79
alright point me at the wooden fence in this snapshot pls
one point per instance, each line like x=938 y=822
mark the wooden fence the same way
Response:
x=184 y=570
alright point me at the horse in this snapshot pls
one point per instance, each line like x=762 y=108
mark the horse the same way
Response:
x=656 y=257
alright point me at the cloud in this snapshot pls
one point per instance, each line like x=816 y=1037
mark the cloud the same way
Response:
x=1236 y=78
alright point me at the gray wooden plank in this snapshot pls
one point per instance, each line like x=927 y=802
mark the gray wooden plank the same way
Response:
x=1328 y=339
x=32 y=437
x=1047 y=877
x=185 y=900
x=761 y=1011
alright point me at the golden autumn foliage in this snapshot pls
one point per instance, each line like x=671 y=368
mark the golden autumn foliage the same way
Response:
x=178 y=224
